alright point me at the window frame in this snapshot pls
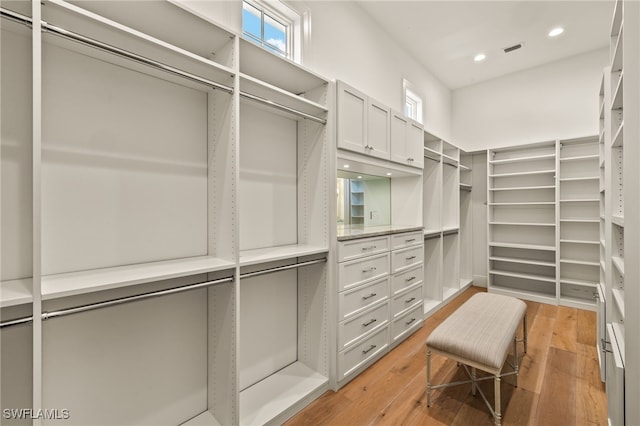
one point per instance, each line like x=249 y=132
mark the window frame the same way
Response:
x=412 y=101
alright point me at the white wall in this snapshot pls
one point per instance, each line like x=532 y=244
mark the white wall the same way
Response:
x=553 y=101
x=346 y=44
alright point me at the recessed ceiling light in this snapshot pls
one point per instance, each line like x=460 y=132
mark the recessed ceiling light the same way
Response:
x=359 y=177
x=480 y=57
x=389 y=174
x=556 y=32
x=346 y=166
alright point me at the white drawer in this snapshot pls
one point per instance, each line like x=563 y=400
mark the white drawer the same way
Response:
x=406 y=239
x=353 y=249
x=405 y=258
x=359 y=355
x=359 y=299
x=360 y=271
x=402 y=327
x=407 y=278
x=350 y=331
x=406 y=300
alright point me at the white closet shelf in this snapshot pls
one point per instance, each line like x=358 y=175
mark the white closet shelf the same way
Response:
x=618 y=97
x=524 y=294
x=465 y=168
x=74 y=283
x=577 y=302
x=465 y=186
x=581 y=200
x=431 y=151
x=581 y=283
x=580 y=158
x=618 y=138
x=618 y=332
x=618 y=220
x=602 y=265
x=523 y=159
x=528 y=203
x=580 y=242
x=523 y=246
x=531 y=173
x=524 y=276
x=448 y=292
x=618 y=297
x=522 y=224
x=204 y=419
x=449 y=160
x=521 y=188
x=16 y=292
x=450 y=228
x=580 y=220
x=522 y=261
x=602 y=243
x=430 y=232
x=270 y=254
x=263 y=90
x=582 y=178
x=580 y=262
x=266 y=400
x=618 y=262
x=431 y=305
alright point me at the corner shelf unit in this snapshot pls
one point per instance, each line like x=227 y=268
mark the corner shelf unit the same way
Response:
x=161 y=184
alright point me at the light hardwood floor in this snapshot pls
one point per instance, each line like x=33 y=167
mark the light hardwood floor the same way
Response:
x=559 y=381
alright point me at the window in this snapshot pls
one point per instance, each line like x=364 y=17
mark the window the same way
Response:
x=412 y=101
x=274 y=26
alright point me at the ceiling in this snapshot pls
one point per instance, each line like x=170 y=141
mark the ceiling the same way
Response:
x=445 y=35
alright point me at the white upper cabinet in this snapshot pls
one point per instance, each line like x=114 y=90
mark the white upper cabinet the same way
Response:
x=379 y=132
x=352 y=119
x=407 y=138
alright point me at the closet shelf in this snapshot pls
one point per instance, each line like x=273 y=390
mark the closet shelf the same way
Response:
x=581 y=200
x=581 y=283
x=432 y=232
x=74 y=283
x=465 y=168
x=465 y=187
x=270 y=254
x=433 y=152
x=522 y=261
x=266 y=400
x=523 y=246
x=449 y=160
x=523 y=159
x=521 y=188
x=618 y=138
x=528 y=203
x=602 y=265
x=580 y=242
x=522 y=224
x=203 y=419
x=534 y=277
x=618 y=262
x=618 y=297
x=579 y=178
x=580 y=262
x=618 y=220
x=618 y=333
x=16 y=292
x=577 y=220
x=618 y=101
x=580 y=158
x=523 y=293
x=532 y=173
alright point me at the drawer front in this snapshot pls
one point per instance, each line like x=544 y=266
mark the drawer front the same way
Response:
x=360 y=271
x=407 y=239
x=405 y=258
x=353 y=302
x=354 y=249
x=407 y=278
x=407 y=300
x=350 y=331
x=407 y=324
x=358 y=356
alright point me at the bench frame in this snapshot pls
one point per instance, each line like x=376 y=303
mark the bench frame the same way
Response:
x=496 y=375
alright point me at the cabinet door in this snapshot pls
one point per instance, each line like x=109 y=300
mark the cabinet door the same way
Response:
x=378 y=133
x=615 y=381
x=601 y=330
x=399 y=127
x=352 y=118
x=415 y=144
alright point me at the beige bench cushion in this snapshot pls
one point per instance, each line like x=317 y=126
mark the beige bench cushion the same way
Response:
x=481 y=330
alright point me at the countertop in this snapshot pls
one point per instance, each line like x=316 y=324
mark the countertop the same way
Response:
x=352 y=232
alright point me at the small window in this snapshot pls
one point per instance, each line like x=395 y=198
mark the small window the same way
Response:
x=412 y=101
x=274 y=26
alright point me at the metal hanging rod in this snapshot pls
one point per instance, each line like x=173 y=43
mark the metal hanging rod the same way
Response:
x=450 y=232
x=283 y=108
x=433 y=236
x=437 y=160
x=114 y=302
x=69 y=35
x=282 y=268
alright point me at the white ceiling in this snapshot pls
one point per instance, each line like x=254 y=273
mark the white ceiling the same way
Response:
x=445 y=35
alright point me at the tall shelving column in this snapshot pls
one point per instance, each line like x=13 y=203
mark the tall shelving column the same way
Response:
x=466 y=234
x=432 y=222
x=522 y=221
x=450 y=221
x=579 y=236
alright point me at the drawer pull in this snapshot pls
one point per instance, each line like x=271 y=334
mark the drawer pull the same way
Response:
x=369 y=248
x=410 y=300
x=369 y=296
x=373 y=268
x=409 y=240
x=410 y=321
x=366 y=351
x=368 y=323
x=410 y=279
x=410 y=257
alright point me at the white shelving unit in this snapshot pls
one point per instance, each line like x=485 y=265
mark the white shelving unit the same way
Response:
x=148 y=181
x=466 y=219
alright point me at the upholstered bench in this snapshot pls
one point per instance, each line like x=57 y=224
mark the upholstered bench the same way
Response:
x=478 y=335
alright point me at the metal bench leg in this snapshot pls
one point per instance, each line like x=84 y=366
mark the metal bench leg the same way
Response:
x=515 y=357
x=524 y=332
x=498 y=414
x=473 y=381
x=428 y=378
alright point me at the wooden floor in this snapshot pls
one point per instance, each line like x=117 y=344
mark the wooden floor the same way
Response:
x=559 y=382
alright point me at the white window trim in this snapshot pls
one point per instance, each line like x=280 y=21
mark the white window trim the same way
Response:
x=409 y=92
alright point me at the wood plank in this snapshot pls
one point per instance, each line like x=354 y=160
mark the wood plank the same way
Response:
x=565 y=330
x=586 y=325
x=557 y=403
x=533 y=364
x=591 y=399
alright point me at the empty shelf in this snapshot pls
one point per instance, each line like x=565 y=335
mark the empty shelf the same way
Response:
x=523 y=246
x=579 y=178
x=532 y=173
x=16 y=292
x=464 y=168
x=581 y=200
x=580 y=220
x=580 y=242
x=580 y=262
x=580 y=158
x=269 y=254
x=522 y=261
x=522 y=223
x=618 y=297
x=617 y=140
x=204 y=419
x=618 y=262
x=617 y=220
x=529 y=203
x=520 y=188
x=525 y=276
x=582 y=283
x=521 y=159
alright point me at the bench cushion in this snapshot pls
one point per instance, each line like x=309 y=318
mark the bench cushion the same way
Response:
x=481 y=330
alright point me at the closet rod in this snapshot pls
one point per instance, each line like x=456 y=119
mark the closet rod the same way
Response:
x=437 y=160
x=282 y=268
x=432 y=236
x=114 y=302
x=283 y=108
x=61 y=32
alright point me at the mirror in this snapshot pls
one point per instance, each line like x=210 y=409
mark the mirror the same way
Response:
x=363 y=200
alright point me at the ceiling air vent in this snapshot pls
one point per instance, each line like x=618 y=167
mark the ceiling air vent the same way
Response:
x=512 y=48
